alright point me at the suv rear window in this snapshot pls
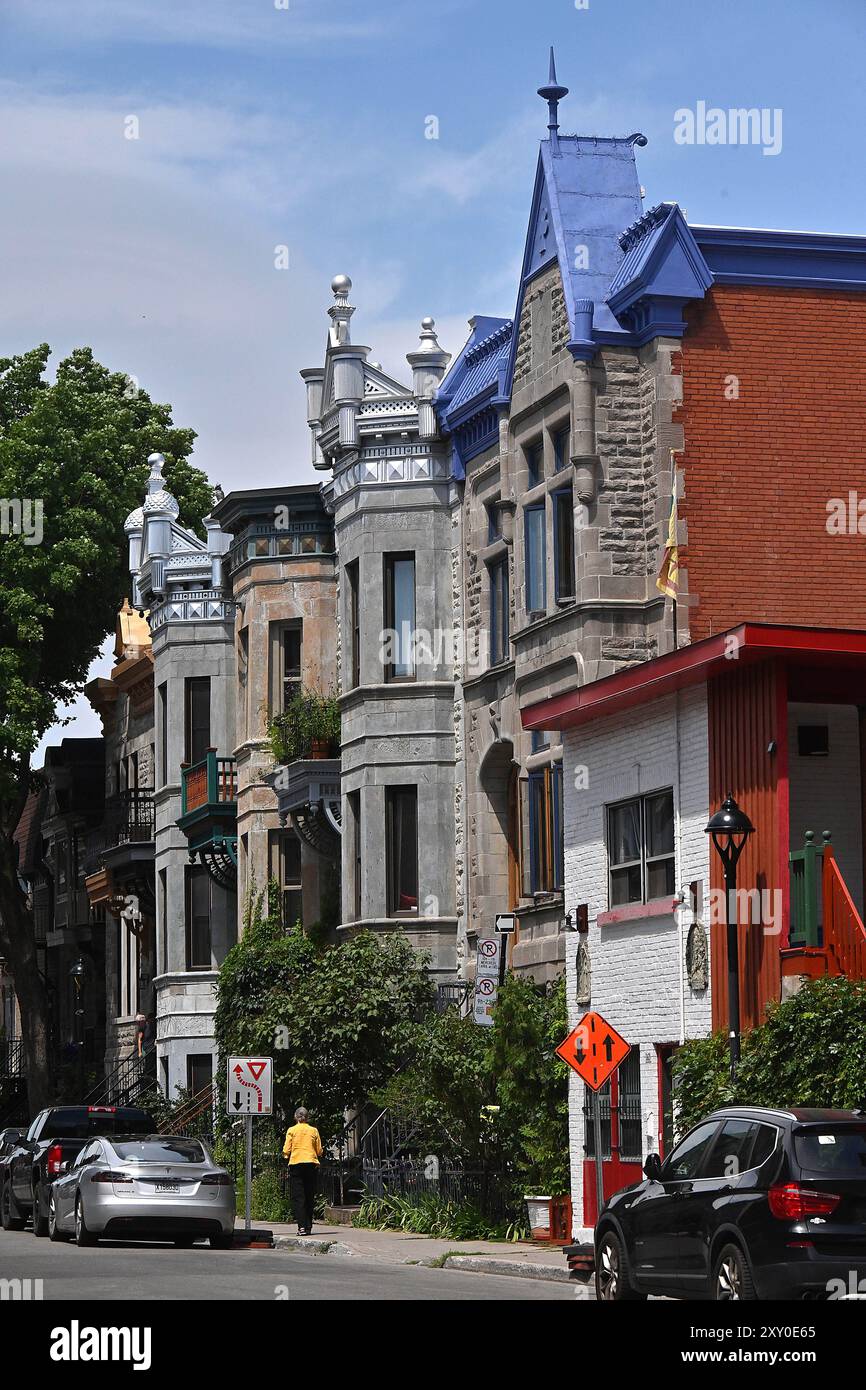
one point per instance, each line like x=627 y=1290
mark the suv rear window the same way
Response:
x=834 y=1149
x=77 y=1122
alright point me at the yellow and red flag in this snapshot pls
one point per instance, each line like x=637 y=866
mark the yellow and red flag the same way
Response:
x=669 y=571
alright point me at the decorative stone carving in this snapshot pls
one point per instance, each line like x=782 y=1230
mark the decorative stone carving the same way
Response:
x=697 y=957
x=583 y=992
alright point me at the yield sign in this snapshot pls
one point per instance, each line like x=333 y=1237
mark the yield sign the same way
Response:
x=594 y=1049
x=250 y=1085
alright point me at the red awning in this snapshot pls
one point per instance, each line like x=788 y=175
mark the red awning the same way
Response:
x=827 y=664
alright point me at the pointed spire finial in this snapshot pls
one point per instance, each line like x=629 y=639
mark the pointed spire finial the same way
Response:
x=553 y=93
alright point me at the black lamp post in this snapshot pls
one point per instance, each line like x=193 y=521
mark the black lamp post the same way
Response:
x=77 y=972
x=730 y=828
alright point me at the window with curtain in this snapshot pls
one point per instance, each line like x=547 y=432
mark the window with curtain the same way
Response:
x=401 y=850
x=640 y=847
x=545 y=829
x=535 y=559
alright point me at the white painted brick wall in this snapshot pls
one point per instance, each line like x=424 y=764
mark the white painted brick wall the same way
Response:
x=638 y=980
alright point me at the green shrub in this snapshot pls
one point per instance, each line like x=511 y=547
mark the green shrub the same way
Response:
x=432 y=1215
x=811 y=1050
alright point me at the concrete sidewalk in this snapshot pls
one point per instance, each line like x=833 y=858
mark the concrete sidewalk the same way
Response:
x=523 y=1260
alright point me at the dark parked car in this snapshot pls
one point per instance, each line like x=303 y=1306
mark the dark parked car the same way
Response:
x=752 y=1203
x=53 y=1140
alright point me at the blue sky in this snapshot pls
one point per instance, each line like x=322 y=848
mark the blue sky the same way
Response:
x=305 y=126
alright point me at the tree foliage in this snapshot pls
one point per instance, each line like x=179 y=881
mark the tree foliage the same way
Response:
x=73 y=451
x=79 y=446
x=810 y=1051
x=497 y=1095
x=337 y=1020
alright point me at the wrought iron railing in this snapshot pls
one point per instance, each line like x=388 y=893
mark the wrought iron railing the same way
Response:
x=129 y=819
x=11 y=1057
x=128 y=1083
x=211 y=782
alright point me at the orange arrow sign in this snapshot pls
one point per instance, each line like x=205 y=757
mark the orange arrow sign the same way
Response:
x=594 y=1049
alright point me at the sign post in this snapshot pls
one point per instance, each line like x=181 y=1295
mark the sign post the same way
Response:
x=595 y=1050
x=488 y=955
x=249 y=1092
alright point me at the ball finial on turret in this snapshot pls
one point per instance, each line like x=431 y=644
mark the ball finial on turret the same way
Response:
x=340 y=285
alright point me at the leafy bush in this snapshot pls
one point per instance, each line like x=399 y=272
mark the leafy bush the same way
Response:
x=307 y=719
x=810 y=1051
x=432 y=1215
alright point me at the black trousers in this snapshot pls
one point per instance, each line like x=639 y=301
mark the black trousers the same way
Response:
x=302 y=1179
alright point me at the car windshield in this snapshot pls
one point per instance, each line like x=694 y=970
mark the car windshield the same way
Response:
x=160 y=1151
x=79 y=1122
x=834 y=1149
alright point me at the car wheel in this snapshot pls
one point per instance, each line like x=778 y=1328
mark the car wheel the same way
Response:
x=221 y=1242
x=612 y=1279
x=54 y=1231
x=9 y=1216
x=40 y=1222
x=732 y=1281
x=82 y=1235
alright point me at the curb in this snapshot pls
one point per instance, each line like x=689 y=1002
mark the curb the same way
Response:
x=482 y=1264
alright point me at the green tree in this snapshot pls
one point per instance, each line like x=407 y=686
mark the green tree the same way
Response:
x=532 y=1082
x=338 y=1020
x=75 y=449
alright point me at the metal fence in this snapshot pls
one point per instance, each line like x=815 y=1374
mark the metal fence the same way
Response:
x=494 y=1193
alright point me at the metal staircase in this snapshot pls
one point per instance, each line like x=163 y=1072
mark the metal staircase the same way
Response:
x=131 y=1082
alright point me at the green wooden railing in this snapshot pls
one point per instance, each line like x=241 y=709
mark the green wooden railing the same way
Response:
x=807 y=867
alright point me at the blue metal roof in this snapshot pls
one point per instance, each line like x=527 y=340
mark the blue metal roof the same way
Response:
x=477 y=367
x=594 y=194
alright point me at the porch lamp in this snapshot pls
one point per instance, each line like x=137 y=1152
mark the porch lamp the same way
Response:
x=730 y=828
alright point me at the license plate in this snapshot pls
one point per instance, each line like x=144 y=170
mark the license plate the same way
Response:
x=168 y=1187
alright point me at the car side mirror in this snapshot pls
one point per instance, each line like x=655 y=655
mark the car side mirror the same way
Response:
x=64 y=1168
x=653 y=1167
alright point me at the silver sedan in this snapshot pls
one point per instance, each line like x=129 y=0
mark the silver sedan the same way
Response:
x=156 y=1186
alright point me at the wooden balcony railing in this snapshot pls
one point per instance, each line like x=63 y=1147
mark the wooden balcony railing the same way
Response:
x=844 y=933
x=212 y=782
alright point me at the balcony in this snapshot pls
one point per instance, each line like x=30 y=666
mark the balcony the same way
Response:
x=119 y=853
x=308 y=794
x=209 y=811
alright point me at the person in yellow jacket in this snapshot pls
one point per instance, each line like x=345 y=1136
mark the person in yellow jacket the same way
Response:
x=303 y=1149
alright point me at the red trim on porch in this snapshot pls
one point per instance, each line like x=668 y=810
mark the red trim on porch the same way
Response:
x=693 y=664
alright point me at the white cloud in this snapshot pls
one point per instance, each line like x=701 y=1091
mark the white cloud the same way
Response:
x=204 y=23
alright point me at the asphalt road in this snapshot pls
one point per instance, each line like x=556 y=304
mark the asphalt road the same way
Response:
x=136 y=1272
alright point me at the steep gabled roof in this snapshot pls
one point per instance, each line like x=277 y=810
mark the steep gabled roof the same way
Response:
x=586 y=193
x=661 y=270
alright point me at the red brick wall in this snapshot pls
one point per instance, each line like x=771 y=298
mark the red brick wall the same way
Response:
x=759 y=470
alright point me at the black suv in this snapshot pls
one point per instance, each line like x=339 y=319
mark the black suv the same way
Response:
x=752 y=1203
